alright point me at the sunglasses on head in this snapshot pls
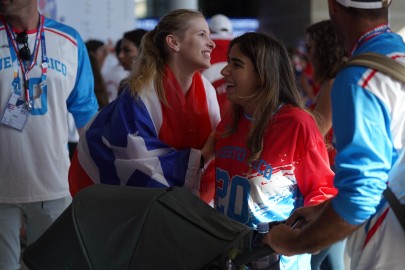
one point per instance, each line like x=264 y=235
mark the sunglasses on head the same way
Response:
x=24 y=53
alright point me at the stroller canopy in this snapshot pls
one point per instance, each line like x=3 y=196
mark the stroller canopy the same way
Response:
x=114 y=227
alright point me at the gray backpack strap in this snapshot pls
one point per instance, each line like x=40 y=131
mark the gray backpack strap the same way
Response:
x=379 y=62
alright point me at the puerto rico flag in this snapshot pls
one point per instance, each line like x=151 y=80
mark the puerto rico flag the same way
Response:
x=139 y=141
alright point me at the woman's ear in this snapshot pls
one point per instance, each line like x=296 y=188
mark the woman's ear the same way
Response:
x=173 y=42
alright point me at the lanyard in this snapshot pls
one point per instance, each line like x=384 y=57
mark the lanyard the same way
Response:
x=26 y=67
x=370 y=34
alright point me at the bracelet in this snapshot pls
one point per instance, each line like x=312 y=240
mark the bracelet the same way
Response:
x=202 y=162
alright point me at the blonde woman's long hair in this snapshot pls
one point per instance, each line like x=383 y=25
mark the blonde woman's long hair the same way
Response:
x=276 y=86
x=148 y=68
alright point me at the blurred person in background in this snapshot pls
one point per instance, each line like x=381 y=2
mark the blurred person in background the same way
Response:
x=131 y=42
x=115 y=74
x=98 y=50
x=100 y=89
x=326 y=54
x=221 y=33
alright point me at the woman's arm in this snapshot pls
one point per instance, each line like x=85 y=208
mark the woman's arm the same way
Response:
x=323 y=107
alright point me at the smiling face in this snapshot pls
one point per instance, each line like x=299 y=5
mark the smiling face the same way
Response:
x=195 y=45
x=241 y=78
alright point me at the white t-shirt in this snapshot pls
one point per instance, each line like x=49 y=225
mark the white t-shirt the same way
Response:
x=34 y=162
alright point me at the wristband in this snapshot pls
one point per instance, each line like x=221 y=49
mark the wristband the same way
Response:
x=202 y=162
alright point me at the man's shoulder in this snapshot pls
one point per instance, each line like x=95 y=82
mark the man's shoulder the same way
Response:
x=59 y=27
x=387 y=44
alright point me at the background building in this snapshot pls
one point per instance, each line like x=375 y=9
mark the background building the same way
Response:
x=287 y=19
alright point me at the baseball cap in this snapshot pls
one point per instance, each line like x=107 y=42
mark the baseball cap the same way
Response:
x=220 y=24
x=366 y=4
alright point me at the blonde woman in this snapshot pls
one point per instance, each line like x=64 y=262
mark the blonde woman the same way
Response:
x=155 y=134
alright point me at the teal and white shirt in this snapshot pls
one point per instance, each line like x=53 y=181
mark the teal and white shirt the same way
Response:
x=34 y=162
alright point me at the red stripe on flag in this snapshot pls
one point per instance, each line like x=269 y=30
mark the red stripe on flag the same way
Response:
x=78 y=178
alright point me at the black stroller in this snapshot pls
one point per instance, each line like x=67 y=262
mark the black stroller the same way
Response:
x=112 y=227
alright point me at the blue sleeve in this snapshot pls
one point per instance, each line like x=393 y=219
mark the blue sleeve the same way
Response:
x=361 y=126
x=82 y=102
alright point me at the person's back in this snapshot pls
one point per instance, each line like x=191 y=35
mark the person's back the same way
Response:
x=368 y=122
x=377 y=124
x=50 y=81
